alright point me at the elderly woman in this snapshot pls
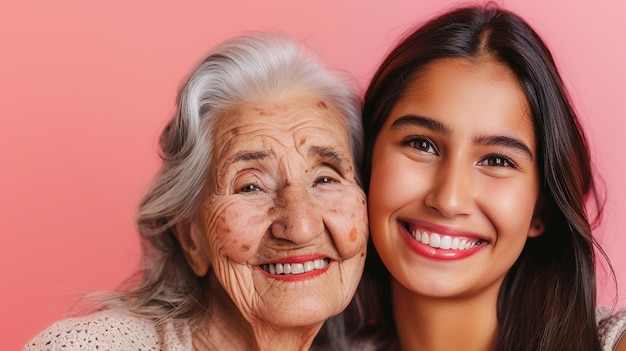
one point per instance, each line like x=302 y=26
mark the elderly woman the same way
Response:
x=254 y=231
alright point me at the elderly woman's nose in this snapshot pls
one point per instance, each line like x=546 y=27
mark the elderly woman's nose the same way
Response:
x=296 y=217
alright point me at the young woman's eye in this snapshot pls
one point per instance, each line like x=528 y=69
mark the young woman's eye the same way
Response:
x=422 y=144
x=498 y=161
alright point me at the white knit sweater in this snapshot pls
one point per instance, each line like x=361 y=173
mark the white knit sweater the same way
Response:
x=612 y=327
x=114 y=330
x=109 y=330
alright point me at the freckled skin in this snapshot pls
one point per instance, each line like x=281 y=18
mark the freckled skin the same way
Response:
x=261 y=111
x=291 y=201
x=353 y=234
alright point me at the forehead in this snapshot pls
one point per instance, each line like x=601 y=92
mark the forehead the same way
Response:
x=451 y=76
x=287 y=122
x=463 y=90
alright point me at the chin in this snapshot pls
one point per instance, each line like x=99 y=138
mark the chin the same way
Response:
x=299 y=314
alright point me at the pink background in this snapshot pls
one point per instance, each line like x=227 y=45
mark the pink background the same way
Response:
x=86 y=86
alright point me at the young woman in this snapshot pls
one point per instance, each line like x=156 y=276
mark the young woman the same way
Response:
x=478 y=173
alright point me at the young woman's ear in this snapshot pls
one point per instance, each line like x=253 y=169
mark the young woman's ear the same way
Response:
x=537 y=225
x=191 y=239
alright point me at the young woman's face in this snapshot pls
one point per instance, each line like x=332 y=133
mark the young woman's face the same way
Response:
x=454 y=181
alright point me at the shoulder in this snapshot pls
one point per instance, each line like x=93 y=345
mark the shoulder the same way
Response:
x=612 y=327
x=108 y=330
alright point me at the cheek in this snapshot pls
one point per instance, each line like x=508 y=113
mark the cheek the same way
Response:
x=235 y=230
x=510 y=206
x=395 y=183
x=346 y=218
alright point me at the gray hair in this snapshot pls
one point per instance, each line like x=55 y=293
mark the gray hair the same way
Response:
x=254 y=67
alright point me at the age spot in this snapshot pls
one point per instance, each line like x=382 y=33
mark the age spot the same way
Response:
x=322 y=104
x=352 y=236
x=261 y=111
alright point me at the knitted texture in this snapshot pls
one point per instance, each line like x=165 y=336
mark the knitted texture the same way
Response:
x=612 y=327
x=109 y=330
x=114 y=330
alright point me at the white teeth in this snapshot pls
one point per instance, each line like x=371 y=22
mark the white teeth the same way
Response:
x=295 y=268
x=444 y=242
x=435 y=240
x=455 y=243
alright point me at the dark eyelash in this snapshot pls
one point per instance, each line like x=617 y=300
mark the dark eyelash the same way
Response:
x=407 y=141
x=507 y=159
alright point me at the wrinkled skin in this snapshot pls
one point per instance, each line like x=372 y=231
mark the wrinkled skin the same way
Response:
x=282 y=190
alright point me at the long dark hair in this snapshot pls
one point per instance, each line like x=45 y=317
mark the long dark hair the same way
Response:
x=547 y=300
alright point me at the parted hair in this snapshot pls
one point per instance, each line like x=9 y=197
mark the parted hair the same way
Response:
x=548 y=298
x=249 y=68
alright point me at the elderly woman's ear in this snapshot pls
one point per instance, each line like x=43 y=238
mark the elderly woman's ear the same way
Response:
x=191 y=239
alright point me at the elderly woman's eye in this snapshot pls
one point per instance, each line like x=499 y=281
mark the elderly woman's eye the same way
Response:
x=249 y=188
x=325 y=180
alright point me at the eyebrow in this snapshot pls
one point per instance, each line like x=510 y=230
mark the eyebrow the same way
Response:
x=505 y=141
x=420 y=121
x=327 y=153
x=247 y=156
x=436 y=126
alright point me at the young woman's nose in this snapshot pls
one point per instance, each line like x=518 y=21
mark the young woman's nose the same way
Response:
x=451 y=192
x=296 y=217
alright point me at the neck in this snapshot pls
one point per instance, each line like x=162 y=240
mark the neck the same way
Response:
x=227 y=329
x=432 y=323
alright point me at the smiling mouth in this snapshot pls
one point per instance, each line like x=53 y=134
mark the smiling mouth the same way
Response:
x=295 y=268
x=445 y=242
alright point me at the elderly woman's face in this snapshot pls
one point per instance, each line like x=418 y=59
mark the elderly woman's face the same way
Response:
x=284 y=221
